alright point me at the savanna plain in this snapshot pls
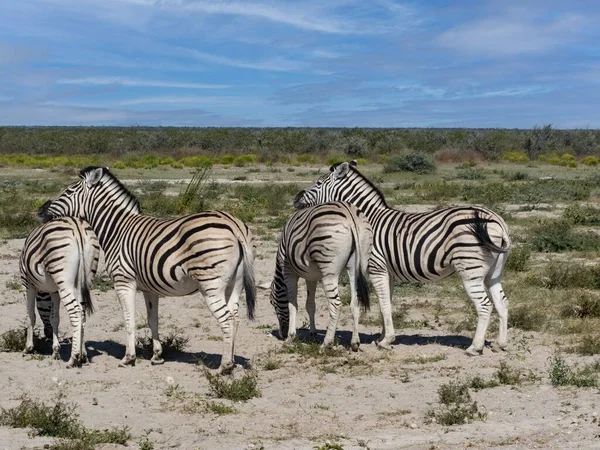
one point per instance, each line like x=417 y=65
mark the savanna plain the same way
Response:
x=425 y=393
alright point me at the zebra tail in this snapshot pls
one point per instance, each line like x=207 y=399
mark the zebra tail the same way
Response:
x=84 y=289
x=480 y=231
x=249 y=285
x=362 y=286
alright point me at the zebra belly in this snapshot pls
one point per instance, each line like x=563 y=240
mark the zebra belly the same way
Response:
x=186 y=286
x=45 y=284
x=310 y=272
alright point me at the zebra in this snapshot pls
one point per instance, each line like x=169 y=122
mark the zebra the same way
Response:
x=58 y=262
x=209 y=251
x=421 y=247
x=316 y=244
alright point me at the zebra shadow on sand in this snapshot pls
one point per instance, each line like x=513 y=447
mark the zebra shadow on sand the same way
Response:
x=117 y=350
x=344 y=337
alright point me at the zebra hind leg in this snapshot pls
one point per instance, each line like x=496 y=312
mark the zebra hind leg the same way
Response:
x=330 y=285
x=475 y=287
x=151 y=300
x=492 y=282
x=311 y=307
x=55 y=322
x=44 y=307
x=30 y=302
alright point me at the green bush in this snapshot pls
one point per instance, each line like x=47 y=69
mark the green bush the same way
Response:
x=199 y=161
x=590 y=160
x=582 y=215
x=516 y=157
x=564 y=275
x=413 y=162
x=518 y=259
x=558 y=236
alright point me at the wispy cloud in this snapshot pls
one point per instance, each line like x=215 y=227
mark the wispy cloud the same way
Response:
x=508 y=35
x=130 y=82
x=198 y=100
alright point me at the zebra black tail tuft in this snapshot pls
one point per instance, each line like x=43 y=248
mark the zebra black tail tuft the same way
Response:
x=249 y=286
x=362 y=290
x=86 y=299
x=82 y=282
x=480 y=230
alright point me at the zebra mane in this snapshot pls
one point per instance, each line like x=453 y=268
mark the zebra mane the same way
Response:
x=83 y=172
x=353 y=168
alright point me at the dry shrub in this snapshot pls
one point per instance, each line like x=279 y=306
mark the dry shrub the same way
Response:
x=455 y=155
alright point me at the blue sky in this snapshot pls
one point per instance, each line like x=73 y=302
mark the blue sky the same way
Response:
x=374 y=63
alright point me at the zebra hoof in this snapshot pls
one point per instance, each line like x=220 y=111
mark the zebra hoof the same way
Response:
x=226 y=369
x=157 y=361
x=28 y=349
x=497 y=348
x=472 y=351
x=355 y=346
x=128 y=360
x=384 y=345
x=56 y=356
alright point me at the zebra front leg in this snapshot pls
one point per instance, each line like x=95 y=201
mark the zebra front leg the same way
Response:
x=383 y=286
x=126 y=295
x=476 y=291
x=330 y=285
x=30 y=302
x=151 y=300
x=311 y=307
x=55 y=323
x=291 y=282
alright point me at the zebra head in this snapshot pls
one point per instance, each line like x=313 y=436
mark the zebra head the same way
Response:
x=72 y=200
x=332 y=186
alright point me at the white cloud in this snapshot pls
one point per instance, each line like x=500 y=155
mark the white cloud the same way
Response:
x=140 y=83
x=512 y=35
x=201 y=100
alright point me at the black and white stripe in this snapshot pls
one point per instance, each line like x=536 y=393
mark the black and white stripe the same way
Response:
x=58 y=263
x=316 y=244
x=210 y=252
x=421 y=247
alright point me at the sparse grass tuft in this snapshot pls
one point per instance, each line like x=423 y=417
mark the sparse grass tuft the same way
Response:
x=562 y=374
x=312 y=349
x=241 y=389
x=518 y=259
x=329 y=446
x=457 y=406
x=508 y=375
x=526 y=318
x=103 y=284
x=13 y=340
x=60 y=421
x=220 y=409
x=172 y=342
x=581 y=305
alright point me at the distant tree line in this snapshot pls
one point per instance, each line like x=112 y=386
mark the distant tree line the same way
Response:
x=269 y=143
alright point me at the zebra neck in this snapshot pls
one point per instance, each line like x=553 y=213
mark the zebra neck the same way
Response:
x=110 y=212
x=366 y=197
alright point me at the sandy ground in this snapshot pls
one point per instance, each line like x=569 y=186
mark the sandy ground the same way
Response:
x=371 y=399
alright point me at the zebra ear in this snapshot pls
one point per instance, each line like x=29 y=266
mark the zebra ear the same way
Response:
x=93 y=177
x=353 y=163
x=341 y=170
